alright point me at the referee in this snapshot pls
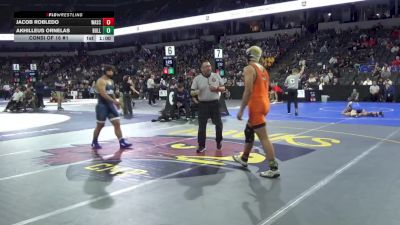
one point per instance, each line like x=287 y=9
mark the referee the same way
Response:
x=207 y=86
x=292 y=85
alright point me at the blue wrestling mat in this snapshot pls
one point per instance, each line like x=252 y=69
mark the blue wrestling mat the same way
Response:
x=331 y=113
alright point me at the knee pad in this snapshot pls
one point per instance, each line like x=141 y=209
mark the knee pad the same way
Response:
x=249 y=134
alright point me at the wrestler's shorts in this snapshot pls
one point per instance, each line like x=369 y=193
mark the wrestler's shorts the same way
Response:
x=104 y=112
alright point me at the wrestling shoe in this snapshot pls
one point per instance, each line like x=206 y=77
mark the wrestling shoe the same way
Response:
x=270 y=174
x=95 y=145
x=238 y=158
x=201 y=149
x=124 y=144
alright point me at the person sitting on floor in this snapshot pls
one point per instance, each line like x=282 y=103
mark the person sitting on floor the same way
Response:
x=354 y=111
x=29 y=100
x=15 y=101
x=182 y=101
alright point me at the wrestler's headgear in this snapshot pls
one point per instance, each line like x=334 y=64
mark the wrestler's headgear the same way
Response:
x=254 y=53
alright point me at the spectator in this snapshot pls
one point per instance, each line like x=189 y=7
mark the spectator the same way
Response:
x=371 y=42
x=82 y=69
x=324 y=49
x=390 y=92
x=330 y=74
x=29 y=99
x=386 y=73
x=229 y=83
x=151 y=85
x=16 y=100
x=39 y=88
x=394 y=49
x=173 y=85
x=389 y=45
x=240 y=83
x=396 y=62
x=92 y=90
x=374 y=91
x=333 y=60
x=395 y=33
x=355 y=82
x=60 y=88
x=302 y=62
x=345 y=63
x=367 y=82
x=127 y=89
x=273 y=96
x=326 y=79
x=312 y=80
x=141 y=87
x=181 y=101
x=363 y=36
x=224 y=80
x=335 y=81
x=376 y=71
x=6 y=91
x=354 y=96
x=163 y=84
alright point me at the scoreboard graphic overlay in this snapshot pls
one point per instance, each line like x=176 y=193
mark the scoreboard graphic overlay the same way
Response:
x=64 y=26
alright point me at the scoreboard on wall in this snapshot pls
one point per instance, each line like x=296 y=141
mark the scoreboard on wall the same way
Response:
x=169 y=60
x=41 y=26
x=219 y=62
x=169 y=65
x=220 y=67
x=24 y=76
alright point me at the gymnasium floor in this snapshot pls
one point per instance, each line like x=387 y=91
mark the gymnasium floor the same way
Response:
x=335 y=170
